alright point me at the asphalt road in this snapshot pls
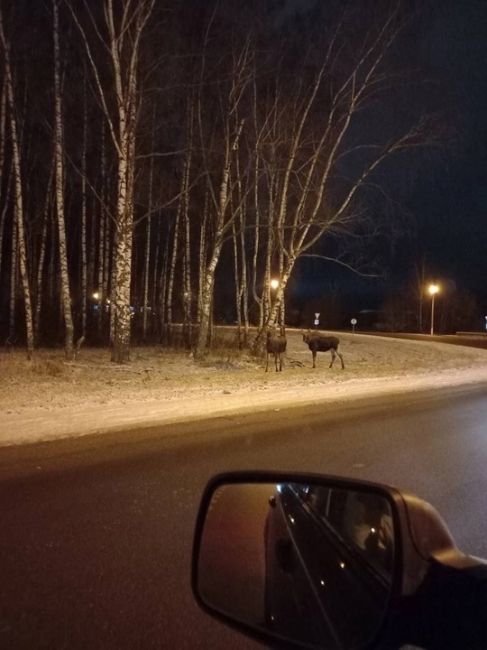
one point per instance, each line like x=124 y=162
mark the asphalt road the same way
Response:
x=470 y=340
x=96 y=534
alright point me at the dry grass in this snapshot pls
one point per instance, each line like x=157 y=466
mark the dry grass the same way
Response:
x=155 y=373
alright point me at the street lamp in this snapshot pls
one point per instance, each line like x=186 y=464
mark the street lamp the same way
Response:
x=433 y=289
x=274 y=284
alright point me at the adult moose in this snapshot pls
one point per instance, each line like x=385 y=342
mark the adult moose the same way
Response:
x=275 y=345
x=320 y=343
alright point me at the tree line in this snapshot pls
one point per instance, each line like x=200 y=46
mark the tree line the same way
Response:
x=157 y=159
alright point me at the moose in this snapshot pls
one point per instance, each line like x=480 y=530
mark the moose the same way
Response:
x=319 y=343
x=275 y=345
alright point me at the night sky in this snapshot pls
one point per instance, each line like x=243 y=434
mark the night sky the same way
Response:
x=445 y=195
x=451 y=202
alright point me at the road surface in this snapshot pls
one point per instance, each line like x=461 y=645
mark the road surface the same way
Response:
x=470 y=340
x=96 y=534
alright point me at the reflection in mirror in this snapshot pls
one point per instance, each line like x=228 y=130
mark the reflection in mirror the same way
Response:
x=307 y=563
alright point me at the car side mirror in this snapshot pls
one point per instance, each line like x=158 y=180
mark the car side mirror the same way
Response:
x=311 y=561
x=302 y=560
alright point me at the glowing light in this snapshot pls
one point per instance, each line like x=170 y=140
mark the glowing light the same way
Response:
x=342 y=565
x=274 y=283
x=322 y=583
x=96 y=295
x=372 y=530
x=433 y=289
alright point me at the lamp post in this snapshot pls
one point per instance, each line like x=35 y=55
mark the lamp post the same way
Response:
x=433 y=289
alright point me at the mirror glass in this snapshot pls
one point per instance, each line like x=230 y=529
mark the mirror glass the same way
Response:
x=304 y=562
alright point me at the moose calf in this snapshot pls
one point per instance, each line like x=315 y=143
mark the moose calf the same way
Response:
x=319 y=343
x=276 y=345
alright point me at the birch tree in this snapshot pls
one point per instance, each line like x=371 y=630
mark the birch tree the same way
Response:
x=42 y=251
x=122 y=40
x=3 y=200
x=325 y=158
x=220 y=187
x=59 y=184
x=18 y=226
x=84 y=230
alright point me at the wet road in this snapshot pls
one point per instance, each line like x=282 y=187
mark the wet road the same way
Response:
x=96 y=534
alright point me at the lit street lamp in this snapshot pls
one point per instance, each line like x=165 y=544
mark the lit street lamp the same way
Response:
x=274 y=285
x=433 y=289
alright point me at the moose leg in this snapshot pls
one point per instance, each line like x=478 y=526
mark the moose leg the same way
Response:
x=341 y=359
x=314 y=358
x=333 y=357
x=267 y=362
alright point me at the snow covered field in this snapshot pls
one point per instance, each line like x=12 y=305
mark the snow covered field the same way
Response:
x=49 y=398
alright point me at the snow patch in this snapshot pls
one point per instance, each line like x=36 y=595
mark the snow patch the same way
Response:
x=49 y=398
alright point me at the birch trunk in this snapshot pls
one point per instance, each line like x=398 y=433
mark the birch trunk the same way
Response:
x=107 y=262
x=207 y=299
x=84 y=256
x=244 y=289
x=3 y=217
x=14 y=265
x=42 y=252
x=113 y=280
x=163 y=291
x=145 y=298
x=172 y=273
x=123 y=264
x=220 y=192
x=102 y=235
x=3 y=128
x=207 y=296
x=51 y=275
x=236 y=279
x=221 y=225
x=8 y=186
x=40 y=273
x=202 y=255
x=59 y=153
x=187 y=293
x=155 y=272
x=18 y=208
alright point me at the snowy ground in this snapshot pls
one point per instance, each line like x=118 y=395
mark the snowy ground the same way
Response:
x=49 y=398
